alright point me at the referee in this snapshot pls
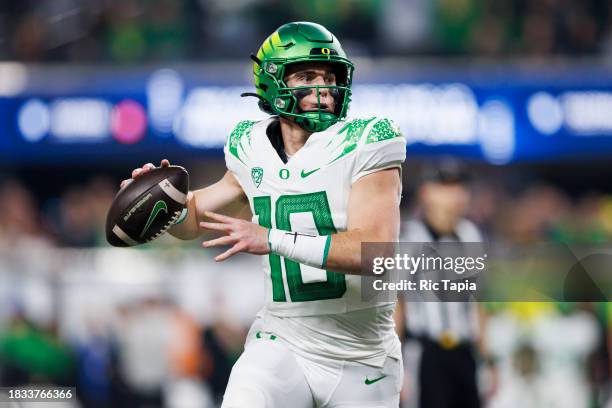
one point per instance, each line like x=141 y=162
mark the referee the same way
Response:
x=441 y=338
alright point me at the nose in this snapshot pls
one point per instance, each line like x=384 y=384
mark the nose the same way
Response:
x=323 y=92
x=319 y=80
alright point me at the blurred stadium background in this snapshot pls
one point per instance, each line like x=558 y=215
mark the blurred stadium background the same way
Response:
x=520 y=90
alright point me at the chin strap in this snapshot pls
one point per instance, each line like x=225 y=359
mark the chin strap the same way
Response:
x=261 y=98
x=263 y=104
x=255 y=59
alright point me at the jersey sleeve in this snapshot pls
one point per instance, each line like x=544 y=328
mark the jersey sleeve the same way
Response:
x=383 y=147
x=237 y=146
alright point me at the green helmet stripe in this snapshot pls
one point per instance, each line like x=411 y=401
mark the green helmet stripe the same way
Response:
x=267 y=47
x=275 y=39
x=260 y=54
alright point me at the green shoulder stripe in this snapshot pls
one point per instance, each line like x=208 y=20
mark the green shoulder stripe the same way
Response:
x=236 y=138
x=353 y=131
x=383 y=130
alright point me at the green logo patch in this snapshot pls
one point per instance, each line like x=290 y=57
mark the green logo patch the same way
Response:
x=284 y=174
x=159 y=206
x=257 y=175
x=305 y=174
x=370 y=382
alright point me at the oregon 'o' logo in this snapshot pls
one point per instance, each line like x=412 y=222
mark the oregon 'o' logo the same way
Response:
x=284 y=174
x=325 y=51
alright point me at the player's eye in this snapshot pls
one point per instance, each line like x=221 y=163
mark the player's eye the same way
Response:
x=302 y=77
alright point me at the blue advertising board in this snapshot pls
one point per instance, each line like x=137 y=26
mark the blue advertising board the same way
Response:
x=498 y=116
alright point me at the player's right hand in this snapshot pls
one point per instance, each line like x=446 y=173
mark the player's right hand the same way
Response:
x=143 y=170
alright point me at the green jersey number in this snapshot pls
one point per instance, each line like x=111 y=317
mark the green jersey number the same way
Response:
x=318 y=206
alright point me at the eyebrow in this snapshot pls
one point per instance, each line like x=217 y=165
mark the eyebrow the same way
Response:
x=312 y=71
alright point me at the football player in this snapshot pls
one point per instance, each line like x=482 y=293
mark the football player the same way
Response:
x=317 y=184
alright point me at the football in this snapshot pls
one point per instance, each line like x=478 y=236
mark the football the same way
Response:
x=144 y=209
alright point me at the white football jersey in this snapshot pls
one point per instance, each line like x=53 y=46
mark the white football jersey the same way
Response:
x=310 y=194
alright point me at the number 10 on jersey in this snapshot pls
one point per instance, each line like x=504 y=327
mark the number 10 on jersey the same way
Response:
x=318 y=206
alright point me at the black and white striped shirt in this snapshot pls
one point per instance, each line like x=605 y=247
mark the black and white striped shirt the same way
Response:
x=432 y=320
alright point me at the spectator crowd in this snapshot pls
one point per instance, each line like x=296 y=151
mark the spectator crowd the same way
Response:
x=132 y=31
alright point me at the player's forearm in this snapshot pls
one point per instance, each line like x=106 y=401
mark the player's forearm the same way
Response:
x=225 y=197
x=339 y=252
x=188 y=228
x=345 y=249
x=373 y=216
x=345 y=253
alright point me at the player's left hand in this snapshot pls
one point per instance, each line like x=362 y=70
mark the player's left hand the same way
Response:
x=244 y=236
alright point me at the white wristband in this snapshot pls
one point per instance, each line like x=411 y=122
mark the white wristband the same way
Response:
x=306 y=249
